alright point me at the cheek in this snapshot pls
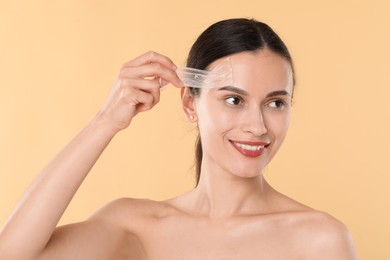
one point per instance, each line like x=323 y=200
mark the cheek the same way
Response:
x=277 y=126
x=212 y=117
x=213 y=124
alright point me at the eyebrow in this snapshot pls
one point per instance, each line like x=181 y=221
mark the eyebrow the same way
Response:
x=244 y=93
x=236 y=90
x=278 y=93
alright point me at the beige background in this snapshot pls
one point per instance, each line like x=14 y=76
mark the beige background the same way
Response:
x=58 y=60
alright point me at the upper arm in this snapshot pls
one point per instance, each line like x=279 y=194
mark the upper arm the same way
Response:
x=103 y=236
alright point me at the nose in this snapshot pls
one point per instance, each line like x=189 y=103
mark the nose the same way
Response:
x=253 y=122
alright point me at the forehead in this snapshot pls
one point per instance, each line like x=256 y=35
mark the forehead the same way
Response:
x=260 y=70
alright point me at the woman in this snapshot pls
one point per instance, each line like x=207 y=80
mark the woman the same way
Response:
x=233 y=213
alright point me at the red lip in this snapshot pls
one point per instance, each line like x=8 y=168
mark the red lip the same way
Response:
x=250 y=153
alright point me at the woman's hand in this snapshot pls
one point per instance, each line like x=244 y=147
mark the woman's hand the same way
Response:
x=33 y=222
x=137 y=88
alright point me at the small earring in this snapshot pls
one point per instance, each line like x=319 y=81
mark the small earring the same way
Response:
x=191 y=117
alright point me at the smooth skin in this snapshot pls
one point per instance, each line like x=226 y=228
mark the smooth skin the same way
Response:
x=232 y=214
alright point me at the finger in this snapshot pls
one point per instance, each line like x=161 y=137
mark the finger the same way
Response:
x=136 y=98
x=147 y=85
x=155 y=70
x=162 y=82
x=143 y=101
x=150 y=87
x=151 y=57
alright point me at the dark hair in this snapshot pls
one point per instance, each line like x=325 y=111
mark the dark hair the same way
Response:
x=229 y=37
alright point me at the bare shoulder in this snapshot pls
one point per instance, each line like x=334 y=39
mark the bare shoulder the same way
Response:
x=315 y=233
x=132 y=213
x=324 y=237
x=134 y=219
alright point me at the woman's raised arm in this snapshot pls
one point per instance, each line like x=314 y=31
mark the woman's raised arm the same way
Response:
x=28 y=233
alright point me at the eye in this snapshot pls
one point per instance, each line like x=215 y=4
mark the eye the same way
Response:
x=278 y=103
x=234 y=100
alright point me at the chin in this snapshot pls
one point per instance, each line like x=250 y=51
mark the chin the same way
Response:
x=251 y=168
x=244 y=173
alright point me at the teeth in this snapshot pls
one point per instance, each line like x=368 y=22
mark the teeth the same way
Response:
x=250 y=147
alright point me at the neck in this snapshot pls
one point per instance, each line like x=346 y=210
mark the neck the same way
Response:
x=221 y=194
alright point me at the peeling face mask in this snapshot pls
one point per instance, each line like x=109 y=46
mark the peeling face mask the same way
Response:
x=221 y=75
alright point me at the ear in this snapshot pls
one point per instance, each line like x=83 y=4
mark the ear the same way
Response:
x=188 y=102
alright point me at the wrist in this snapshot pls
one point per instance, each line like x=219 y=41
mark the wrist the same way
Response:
x=104 y=125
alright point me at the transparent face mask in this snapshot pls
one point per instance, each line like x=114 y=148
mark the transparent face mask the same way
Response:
x=219 y=76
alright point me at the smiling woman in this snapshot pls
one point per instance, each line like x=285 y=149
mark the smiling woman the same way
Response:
x=233 y=213
x=252 y=116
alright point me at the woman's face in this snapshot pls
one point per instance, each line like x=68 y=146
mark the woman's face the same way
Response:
x=242 y=125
